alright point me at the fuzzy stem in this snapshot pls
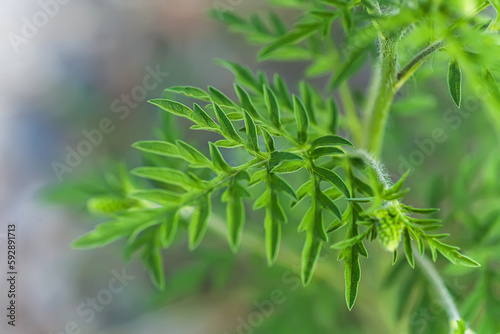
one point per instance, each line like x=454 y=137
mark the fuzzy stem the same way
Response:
x=377 y=118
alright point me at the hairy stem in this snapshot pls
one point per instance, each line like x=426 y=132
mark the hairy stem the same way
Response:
x=377 y=118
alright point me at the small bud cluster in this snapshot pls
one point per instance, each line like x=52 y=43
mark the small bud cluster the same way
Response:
x=389 y=226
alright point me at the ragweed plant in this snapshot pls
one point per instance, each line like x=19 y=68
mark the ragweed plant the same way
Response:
x=276 y=147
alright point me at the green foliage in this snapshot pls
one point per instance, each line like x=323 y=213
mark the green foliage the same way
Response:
x=276 y=149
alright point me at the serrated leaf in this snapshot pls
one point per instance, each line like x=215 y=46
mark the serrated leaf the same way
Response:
x=246 y=102
x=281 y=185
x=107 y=204
x=199 y=221
x=353 y=63
x=235 y=213
x=282 y=91
x=158 y=196
x=408 y=249
x=173 y=107
x=295 y=36
x=202 y=118
x=279 y=156
x=168 y=228
x=310 y=256
x=158 y=147
x=301 y=118
x=219 y=98
x=153 y=261
x=251 y=131
x=103 y=235
x=330 y=140
x=272 y=107
x=190 y=91
x=269 y=140
x=327 y=203
x=226 y=126
x=288 y=167
x=167 y=175
x=192 y=155
x=455 y=82
x=324 y=151
x=242 y=74
x=218 y=161
x=333 y=178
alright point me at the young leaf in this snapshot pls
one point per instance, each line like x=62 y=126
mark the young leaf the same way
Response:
x=408 y=249
x=219 y=98
x=333 y=178
x=154 y=263
x=246 y=102
x=269 y=140
x=272 y=106
x=201 y=118
x=251 y=130
x=173 y=107
x=235 y=212
x=167 y=175
x=199 y=221
x=226 y=126
x=455 y=82
x=301 y=119
x=217 y=159
x=103 y=235
x=190 y=91
x=242 y=74
x=330 y=140
x=157 y=147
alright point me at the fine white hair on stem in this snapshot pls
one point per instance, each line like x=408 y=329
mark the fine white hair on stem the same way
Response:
x=378 y=168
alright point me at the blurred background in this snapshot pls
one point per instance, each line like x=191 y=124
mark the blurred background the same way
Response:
x=67 y=67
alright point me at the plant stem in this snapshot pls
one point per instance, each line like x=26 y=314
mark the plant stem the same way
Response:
x=415 y=63
x=377 y=118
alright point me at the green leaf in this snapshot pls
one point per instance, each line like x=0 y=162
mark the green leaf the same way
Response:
x=219 y=98
x=108 y=204
x=281 y=185
x=455 y=82
x=242 y=74
x=327 y=203
x=158 y=147
x=302 y=32
x=272 y=106
x=353 y=63
x=202 y=118
x=279 y=156
x=226 y=126
x=154 y=263
x=282 y=91
x=173 y=107
x=218 y=161
x=301 y=119
x=322 y=151
x=246 y=101
x=168 y=228
x=103 y=235
x=310 y=256
x=330 y=140
x=168 y=175
x=333 y=178
x=251 y=131
x=190 y=91
x=288 y=167
x=235 y=212
x=269 y=140
x=408 y=249
x=199 y=221
x=158 y=196
x=195 y=157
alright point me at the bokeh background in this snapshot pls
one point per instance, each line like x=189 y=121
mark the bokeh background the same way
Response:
x=65 y=78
